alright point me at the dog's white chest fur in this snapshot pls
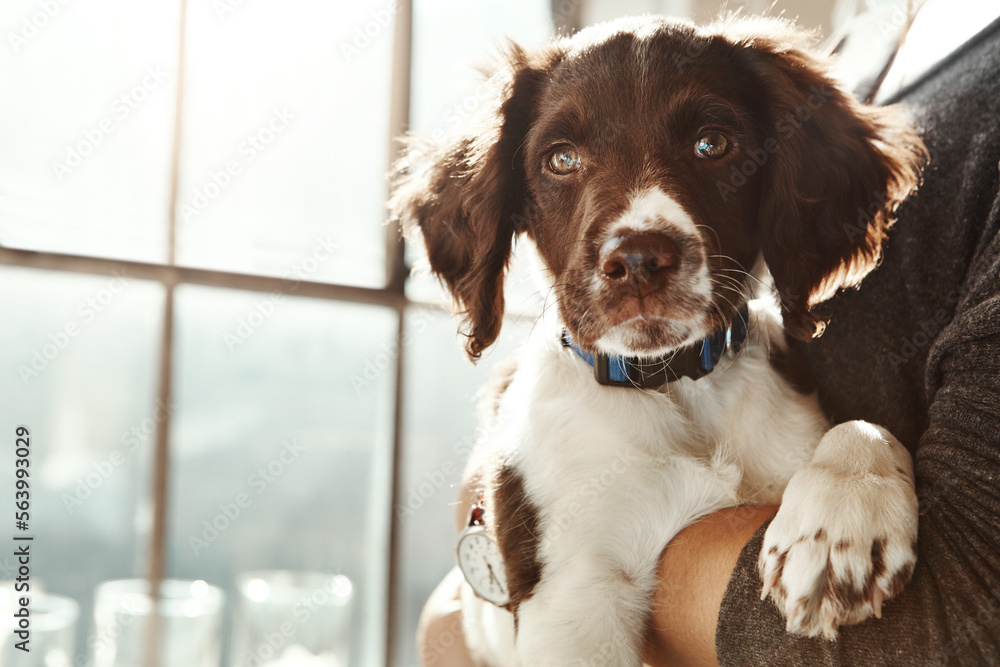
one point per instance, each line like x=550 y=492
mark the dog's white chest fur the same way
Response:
x=616 y=472
x=570 y=436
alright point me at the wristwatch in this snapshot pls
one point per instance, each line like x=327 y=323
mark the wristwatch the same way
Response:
x=480 y=560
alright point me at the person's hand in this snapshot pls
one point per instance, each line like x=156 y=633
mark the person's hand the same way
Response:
x=440 y=642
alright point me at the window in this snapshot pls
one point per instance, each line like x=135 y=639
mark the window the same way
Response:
x=198 y=297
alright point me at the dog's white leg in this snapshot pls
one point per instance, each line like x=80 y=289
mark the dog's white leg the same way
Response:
x=844 y=539
x=590 y=614
x=591 y=608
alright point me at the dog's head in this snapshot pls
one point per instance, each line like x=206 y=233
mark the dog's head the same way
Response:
x=656 y=166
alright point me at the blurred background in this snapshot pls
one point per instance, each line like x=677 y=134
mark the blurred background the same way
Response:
x=203 y=318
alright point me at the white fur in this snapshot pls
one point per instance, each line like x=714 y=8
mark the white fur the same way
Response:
x=653 y=210
x=616 y=473
x=619 y=339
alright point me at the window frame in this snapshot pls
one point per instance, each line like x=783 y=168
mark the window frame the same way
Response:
x=391 y=295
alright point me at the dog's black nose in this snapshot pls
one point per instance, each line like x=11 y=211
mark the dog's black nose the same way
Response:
x=641 y=257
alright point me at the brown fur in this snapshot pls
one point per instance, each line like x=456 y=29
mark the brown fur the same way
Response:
x=517 y=536
x=830 y=192
x=793 y=366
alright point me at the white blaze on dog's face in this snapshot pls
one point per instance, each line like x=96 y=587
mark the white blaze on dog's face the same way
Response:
x=654 y=246
x=654 y=164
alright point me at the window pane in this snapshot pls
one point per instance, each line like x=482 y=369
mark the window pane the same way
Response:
x=285 y=146
x=441 y=387
x=449 y=90
x=281 y=447
x=88 y=118
x=78 y=366
x=447 y=84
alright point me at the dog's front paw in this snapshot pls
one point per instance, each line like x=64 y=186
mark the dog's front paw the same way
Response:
x=844 y=539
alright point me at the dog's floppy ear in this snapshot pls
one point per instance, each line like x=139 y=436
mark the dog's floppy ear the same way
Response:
x=468 y=197
x=835 y=174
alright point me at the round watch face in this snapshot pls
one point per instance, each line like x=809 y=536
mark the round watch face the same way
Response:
x=480 y=561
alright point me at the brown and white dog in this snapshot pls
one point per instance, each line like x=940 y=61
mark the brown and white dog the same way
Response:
x=668 y=175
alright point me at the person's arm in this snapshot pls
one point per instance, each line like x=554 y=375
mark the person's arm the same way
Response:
x=694 y=571
x=949 y=613
x=440 y=642
x=707 y=612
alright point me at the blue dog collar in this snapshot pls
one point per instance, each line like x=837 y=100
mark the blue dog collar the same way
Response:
x=694 y=362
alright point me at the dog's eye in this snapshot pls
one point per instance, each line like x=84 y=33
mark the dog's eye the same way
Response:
x=564 y=161
x=712 y=145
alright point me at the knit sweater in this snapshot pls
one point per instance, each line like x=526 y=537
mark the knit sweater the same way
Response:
x=917 y=349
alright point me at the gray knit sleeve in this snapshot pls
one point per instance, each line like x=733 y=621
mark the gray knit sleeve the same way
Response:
x=949 y=613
